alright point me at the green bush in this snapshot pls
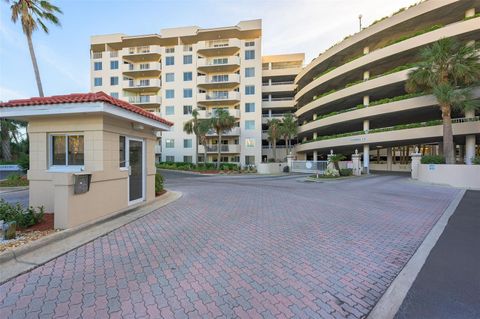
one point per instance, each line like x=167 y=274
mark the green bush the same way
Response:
x=476 y=160
x=14 y=180
x=158 y=183
x=433 y=159
x=24 y=161
x=24 y=217
x=346 y=172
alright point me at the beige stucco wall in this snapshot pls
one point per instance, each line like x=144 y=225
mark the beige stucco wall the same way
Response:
x=109 y=185
x=465 y=176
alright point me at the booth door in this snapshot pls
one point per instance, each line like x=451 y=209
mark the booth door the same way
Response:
x=135 y=180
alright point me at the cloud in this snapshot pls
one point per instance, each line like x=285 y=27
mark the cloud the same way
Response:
x=7 y=94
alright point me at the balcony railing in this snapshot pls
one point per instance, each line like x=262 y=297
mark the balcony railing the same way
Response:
x=204 y=114
x=277 y=99
x=232 y=60
x=233 y=132
x=144 y=99
x=219 y=44
x=219 y=96
x=218 y=79
x=224 y=148
x=278 y=83
x=130 y=67
x=141 y=50
x=142 y=83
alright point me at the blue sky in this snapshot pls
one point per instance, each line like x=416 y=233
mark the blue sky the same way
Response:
x=289 y=26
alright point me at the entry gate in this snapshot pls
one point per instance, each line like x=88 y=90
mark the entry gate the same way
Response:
x=313 y=167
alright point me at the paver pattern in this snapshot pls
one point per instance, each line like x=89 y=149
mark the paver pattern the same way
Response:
x=236 y=247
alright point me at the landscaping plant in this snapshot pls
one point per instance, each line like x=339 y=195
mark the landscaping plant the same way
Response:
x=23 y=217
x=432 y=159
x=158 y=183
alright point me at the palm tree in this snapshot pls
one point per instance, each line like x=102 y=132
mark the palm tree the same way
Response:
x=221 y=121
x=202 y=130
x=191 y=127
x=448 y=69
x=289 y=129
x=33 y=13
x=8 y=131
x=274 y=133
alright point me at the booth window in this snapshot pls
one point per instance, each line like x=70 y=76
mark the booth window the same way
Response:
x=123 y=162
x=67 y=150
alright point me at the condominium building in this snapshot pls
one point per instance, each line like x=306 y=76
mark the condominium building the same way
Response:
x=352 y=96
x=182 y=69
x=278 y=92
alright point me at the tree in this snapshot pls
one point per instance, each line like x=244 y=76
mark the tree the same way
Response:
x=289 y=129
x=274 y=132
x=32 y=14
x=203 y=128
x=191 y=127
x=448 y=69
x=221 y=121
x=335 y=159
x=8 y=132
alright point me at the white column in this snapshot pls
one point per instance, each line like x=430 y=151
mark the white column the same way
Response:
x=470 y=13
x=366 y=50
x=469 y=141
x=356 y=164
x=314 y=117
x=366 y=158
x=270 y=113
x=366 y=75
x=366 y=100
x=315 y=156
x=416 y=157
x=315 y=135
x=366 y=125
x=389 y=158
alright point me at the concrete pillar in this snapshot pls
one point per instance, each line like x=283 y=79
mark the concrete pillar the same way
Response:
x=469 y=149
x=366 y=100
x=314 y=135
x=366 y=50
x=366 y=125
x=269 y=81
x=270 y=113
x=389 y=158
x=470 y=13
x=356 y=164
x=270 y=98
x=366 y=158
x=416 y=157
x=440 y=148
x=290 y=162
x=315 y=156
x=314 y=117
x=366 y=75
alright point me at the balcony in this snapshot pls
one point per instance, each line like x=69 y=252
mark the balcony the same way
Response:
x=226 y=81
x=158 y=149
x=149 y=69
x=233 y=132
x=219 y=47
x=206 y=114
x=224 y=148
x=286 y=86
x=217 y=65
x=219 y=98
x=145 y=100
x=279 y=102
x=142 y=53
x=266 y=117
x=150 y=85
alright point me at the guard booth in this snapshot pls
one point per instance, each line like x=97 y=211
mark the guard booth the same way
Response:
x=91 y=155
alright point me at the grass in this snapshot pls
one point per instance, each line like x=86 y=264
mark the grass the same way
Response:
x=14 y=180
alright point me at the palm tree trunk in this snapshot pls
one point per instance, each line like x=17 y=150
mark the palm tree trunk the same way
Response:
x=6 y=152
x=205 y=152
x=35 y=65
x=196 y=149
x=219 y=133
x=274 y=150
x=448 y=150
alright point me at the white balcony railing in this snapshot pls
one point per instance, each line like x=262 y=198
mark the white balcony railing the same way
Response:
x=204 y=114
x=145 y=99
x=141 y=50
x=219 y=44
x=219 y=96
x=218 y=79
x=224 y=148
x=233 y=132
x=132 y=67
x=232 y=60
x=141 y=83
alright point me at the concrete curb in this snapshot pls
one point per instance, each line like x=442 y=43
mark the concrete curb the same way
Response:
x=5 y=190
x=393 y=297
x=22 y=259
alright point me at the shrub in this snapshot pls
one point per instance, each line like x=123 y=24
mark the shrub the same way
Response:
x=158 y=183
x=14 y=180
x=24 y=217
x=346 y=172
x=24 y=161
x=433 y=159
x=476 y=160
x=331 y=172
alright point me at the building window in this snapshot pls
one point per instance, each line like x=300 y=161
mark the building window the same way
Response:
x=187 y=59
x=170 y=50
x=187 y=48
x=114 y=80
x=122 y=149
x=169 y=143
x=187 y=143
x=187 y=76
x=97 y=66
x=250 y=142
x=250 y=44
x=169 y=60
x=97 y=81
x=249 y=124
x=249 y=89
x=66 y=150
x=249 y=54
x=220 y=78
x=113 y=65
x=169 y=110
x=218 y=61
x=249 y=107
x=187 y=109
x=250 y=160
x=114 y=94
x=169 y=158
x=187 y=159
x=249 y=72
x=169 y=77
x=169 y=94
x=187 y=93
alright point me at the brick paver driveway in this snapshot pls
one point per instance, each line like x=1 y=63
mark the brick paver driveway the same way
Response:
x=270 y=247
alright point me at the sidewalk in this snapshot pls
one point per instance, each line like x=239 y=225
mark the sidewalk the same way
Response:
x=448 y=285
x=17 y=261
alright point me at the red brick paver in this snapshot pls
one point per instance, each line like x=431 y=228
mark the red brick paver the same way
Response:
x=241 y=247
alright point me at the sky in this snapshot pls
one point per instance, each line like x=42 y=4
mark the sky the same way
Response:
x=289 y=26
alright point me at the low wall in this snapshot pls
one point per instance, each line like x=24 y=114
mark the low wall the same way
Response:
x=270 y=168
x=394 y=167
x=466 y=176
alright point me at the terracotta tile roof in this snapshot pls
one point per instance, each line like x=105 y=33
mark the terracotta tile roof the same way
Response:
x=83 y=98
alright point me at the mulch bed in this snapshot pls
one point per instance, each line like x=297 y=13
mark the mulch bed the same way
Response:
x=160 y=193
x=45 y=224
